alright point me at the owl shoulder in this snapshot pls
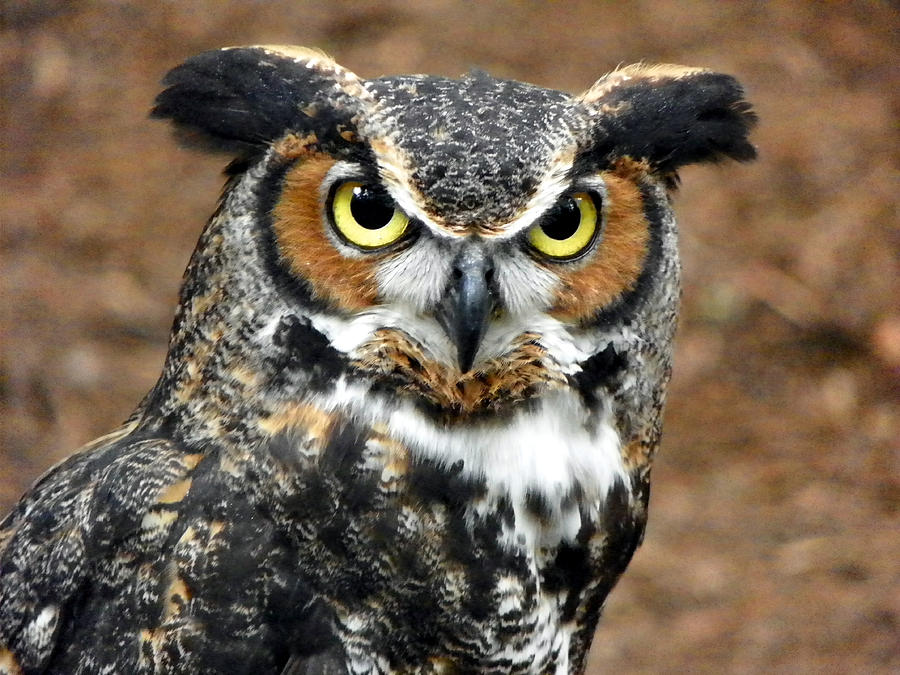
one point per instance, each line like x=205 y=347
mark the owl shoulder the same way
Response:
x=77 y=514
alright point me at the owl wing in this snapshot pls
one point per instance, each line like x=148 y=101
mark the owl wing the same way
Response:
x=136 y=554
x=55 y=540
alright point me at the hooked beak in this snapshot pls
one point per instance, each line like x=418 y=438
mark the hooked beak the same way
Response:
x=466 y=308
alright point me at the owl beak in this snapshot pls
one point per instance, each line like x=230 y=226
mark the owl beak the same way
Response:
x=466 y=307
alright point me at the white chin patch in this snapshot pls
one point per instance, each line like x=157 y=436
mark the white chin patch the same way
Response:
x=347 y=335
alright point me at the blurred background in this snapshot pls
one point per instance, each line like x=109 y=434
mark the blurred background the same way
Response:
x=774 y=533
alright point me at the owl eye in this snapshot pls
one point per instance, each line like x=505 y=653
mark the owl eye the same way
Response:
x=366 y=216
x=567 y=229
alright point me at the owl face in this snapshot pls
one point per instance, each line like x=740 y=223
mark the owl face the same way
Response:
x=471 y=244
x=429 y=297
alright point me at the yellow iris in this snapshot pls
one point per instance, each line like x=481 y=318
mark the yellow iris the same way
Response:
x=567 y=229
x=366 y=216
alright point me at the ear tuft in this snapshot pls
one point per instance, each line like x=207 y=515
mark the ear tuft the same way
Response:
x=670 y=116
x=239 y=99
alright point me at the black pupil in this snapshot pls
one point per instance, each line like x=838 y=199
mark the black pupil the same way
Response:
x=563 y=221
x=371 y=208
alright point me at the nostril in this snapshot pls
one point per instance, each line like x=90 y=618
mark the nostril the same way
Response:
x=457 y=273
x=489 y=275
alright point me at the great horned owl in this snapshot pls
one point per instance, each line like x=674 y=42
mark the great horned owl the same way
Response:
x=413 y=388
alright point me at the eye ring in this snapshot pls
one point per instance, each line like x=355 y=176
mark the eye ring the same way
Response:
x=568 y=229
x=364 y=216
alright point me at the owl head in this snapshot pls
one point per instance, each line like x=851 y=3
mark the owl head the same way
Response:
x=468 y=245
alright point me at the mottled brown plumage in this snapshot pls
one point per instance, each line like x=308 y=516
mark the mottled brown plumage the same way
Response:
x=413 y=389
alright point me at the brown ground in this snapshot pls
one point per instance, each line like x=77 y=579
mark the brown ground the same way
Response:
x=775 y=529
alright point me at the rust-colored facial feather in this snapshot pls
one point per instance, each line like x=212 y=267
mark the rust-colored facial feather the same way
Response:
x=348 y=283
x=620 y=256
x=522 y=373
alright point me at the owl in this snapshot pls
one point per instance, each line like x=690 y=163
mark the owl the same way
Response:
x=413 y=388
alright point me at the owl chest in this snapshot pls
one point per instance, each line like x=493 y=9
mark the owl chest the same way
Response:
x=484 y=552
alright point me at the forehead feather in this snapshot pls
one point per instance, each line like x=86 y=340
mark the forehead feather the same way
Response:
x=475 y=148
